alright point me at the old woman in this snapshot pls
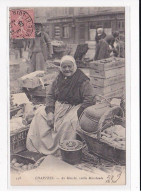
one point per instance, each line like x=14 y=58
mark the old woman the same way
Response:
x=69 y=94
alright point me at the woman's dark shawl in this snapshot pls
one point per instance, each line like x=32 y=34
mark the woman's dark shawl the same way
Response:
x=68 y=90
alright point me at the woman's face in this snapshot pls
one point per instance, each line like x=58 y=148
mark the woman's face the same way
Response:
x=67 y=68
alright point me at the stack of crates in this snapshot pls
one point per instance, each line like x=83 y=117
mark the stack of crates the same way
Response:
x=108 y=77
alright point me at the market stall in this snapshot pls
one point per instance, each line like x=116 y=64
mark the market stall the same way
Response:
x=96 y=147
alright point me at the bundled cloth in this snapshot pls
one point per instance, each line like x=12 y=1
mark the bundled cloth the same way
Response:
x=16 y=123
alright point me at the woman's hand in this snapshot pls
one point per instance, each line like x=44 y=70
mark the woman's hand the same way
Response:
x=50 y=119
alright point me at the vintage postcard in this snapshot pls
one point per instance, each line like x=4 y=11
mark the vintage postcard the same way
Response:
x=67 y=73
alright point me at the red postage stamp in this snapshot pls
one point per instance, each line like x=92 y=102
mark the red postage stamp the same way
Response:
x=22 y=23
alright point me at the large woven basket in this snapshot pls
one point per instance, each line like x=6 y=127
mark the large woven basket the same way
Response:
x=103 y=149
x=98 y=146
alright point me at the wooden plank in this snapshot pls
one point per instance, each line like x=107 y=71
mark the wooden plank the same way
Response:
x=108 y=73
x=112 y=64
x=106 y=82
x=108 y=89
x=107 y=66
x=118 y=93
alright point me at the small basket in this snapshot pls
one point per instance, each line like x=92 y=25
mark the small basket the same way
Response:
x=18 y=140
x=26 y=158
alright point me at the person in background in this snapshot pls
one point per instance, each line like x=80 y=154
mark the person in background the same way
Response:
x=119 y=48
x=40 y=48
x=18 y=45
x=106 y=46
x=100 y=34
x=69 y=94
x=111 y=38
x=103 y=50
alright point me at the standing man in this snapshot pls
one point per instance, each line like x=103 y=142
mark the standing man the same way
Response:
x=40 y=48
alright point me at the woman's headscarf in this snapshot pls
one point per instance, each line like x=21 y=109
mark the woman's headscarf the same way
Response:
x=68 y=58
x=68 y=90
x=100 y=31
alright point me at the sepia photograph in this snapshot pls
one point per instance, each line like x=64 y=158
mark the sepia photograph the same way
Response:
x=67 y=101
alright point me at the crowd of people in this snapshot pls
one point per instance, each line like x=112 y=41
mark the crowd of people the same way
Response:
x=40 y=48
x=108 y=45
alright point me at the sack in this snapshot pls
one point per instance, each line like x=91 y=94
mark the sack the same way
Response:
x=90 y=117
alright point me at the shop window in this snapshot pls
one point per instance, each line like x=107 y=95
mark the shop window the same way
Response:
x=57 y=31
x=121 y=25
x=66 y=32
x=82 y=10
x=92 y=34
x=66 y=11
x=93 y=25
x=71 y=10
x=107 y=24
x=82 y=32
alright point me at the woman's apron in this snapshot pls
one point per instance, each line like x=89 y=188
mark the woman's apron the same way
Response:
x=42 y=138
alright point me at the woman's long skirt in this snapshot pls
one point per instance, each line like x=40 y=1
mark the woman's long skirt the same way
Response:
x=44 y=139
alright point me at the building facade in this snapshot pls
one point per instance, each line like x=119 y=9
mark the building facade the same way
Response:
x=79 y=24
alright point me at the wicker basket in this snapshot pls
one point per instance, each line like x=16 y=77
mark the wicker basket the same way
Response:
x=26 y=158
x=100 y=147
x=104 y=150
x=18 y=140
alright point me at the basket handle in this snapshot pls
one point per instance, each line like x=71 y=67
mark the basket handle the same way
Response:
x=104 y=99
x=104 y=118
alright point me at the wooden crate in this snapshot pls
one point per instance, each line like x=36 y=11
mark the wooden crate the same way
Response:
x=106 y=82
x=40 y=91
x=108 y=73
x=118 y=93
x=108 y=89
x=107 y=64
x=18 y=140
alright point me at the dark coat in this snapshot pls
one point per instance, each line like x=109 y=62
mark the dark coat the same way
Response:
x=98 y=38
x=45 y=45
x=102 y=50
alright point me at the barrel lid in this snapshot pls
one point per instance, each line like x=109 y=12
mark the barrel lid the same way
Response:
x=71 y=145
